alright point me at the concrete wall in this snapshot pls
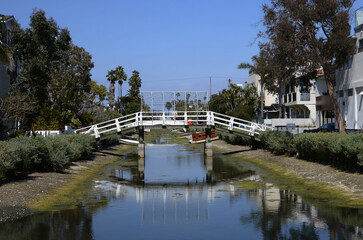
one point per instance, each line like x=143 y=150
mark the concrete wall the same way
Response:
x=350 y=82
x=268 y=97
x=284 y=121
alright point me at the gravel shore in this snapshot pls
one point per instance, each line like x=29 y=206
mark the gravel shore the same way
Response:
x=16 y=194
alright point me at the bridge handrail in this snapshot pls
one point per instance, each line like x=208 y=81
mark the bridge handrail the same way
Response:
x=175 y=118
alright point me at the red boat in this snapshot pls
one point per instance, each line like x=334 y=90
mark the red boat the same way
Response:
x=201 y=137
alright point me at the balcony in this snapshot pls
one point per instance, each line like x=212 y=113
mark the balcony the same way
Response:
x=304 y=96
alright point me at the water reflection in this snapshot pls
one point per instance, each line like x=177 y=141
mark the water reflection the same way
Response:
x=176 y=193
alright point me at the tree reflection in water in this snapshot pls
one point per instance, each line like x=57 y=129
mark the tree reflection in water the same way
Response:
x=66 y=224
x=279 y=211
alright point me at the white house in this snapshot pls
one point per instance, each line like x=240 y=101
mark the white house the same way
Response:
x=269 y=99
x=349 y=81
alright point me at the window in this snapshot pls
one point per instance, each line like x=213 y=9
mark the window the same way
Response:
x=350 y=92
x=341 y=93
x=360 y=46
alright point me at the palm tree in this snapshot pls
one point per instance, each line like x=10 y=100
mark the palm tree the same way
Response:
x=111 y=76
x=260 y=68
x=120 y=77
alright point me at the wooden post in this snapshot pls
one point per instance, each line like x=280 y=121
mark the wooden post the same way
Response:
x=141 y=146
x=208 y=142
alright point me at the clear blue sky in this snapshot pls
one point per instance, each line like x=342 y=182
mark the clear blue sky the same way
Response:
x=174 y=44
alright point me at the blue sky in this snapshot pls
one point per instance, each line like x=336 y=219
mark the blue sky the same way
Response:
x=174 y=44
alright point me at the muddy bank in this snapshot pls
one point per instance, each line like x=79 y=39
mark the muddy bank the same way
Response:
x=16 y=195
x=348 y=183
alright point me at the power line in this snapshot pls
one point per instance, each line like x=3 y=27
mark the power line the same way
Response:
x=191 y=78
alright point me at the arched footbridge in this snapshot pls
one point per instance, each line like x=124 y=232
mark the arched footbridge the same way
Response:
x=187 y=119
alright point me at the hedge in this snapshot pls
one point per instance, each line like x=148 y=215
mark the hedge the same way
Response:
x=277 y=142
x=22 y=155
x=233 y=139
x=344 y=151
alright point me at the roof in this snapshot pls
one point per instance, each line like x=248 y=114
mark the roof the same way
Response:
x=4 y=18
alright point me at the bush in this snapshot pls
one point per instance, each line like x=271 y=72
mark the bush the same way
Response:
x=60 y=153
x=110 y=141
x=81 y=145
x=277 y=142
x=54 y=153
x=233 y=139
x=341 y=150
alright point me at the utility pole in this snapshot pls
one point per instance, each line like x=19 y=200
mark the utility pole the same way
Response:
x=210 y=87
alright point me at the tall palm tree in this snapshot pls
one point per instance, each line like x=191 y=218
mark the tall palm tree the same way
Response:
x=120 y=77
x=111 y=76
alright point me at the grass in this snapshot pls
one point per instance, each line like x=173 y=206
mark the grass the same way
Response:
x=250 y=185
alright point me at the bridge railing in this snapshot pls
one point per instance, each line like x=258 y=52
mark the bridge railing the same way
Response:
x=195 y=118
x=175 y=118
x=232 y=123
x=114 y=125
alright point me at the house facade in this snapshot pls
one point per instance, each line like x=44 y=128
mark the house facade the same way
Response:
x=349 y=81
x=270 y=100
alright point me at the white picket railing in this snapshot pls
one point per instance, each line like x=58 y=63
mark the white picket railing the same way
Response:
x=194 y=118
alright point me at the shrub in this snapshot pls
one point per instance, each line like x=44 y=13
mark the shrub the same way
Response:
x=233 y=139
x=277 y=142
x=10 y=163
x=81 y=145
x=110 y=141
x=60 y=153
x=341 y=150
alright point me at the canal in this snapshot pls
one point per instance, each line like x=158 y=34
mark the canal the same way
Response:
x=176 y=193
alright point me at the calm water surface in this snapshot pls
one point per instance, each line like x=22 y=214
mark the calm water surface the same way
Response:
x=178 y=194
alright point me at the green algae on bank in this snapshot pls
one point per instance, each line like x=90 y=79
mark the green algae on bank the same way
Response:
x=251 y=185
x=309 y=189
x=76 y=192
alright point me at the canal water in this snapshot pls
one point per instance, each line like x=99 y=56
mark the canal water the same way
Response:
x=176 y=193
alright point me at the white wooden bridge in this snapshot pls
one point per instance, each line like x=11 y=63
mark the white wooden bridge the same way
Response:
x=175 y=119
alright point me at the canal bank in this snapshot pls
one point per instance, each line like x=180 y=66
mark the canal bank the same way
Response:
x=312 y=180
x=55 y=191
x=17 y=197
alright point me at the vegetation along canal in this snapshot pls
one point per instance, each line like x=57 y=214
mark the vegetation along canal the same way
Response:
x=178 y=194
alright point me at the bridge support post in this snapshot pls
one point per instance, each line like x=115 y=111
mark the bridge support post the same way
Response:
x=141 y=168
x=209 y=168
x=141 y=146
x=208 y=151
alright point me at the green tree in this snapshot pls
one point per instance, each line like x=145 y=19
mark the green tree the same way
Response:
x=111 y=76
x=135 y=84
x=54 y=78
x=43 y=50
x=68 y=88
x=235 y=101
x=312 y=34
x=120 y=77
x=168 y=105
x=116 y=75
x=260 y=67
x=98 y=93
